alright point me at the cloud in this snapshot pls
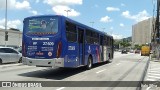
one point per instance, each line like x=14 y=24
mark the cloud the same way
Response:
x=112 y=9
x=2 y=27
x=63 y=2
x=10 y=3
x=60 y=10
x=2 y=22
x=10 y=23
x=138 y=17
x=121 y=25
x=59 y=6
x=23 y=5
x=13 y=4
x=106 y=19
x=33 y=12
x=117 y=36
x=122 y=4
x=37 y=1
x=111 y=28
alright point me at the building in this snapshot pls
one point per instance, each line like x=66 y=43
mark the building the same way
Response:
x=14 y=38
x=142 y=32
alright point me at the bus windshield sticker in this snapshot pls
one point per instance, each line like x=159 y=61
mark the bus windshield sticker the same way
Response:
x=40 y=38
x=49 y=25
x=47 y=49
x=71 y=47
x=32 y=48
x=34 y=24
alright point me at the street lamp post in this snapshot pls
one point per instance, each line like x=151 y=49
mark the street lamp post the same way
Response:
x=103 y=29
x=67 y=11
x=92 y=23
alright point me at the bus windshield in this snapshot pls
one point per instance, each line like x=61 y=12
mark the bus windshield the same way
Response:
x=42 y=25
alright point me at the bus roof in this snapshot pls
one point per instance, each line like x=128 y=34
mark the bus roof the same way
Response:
x=85 y=26
x=73 y=21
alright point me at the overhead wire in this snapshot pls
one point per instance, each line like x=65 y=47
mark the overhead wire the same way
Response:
x=153 y=20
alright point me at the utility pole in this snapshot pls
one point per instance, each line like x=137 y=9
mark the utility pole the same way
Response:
x=6 y=32
x=157 y=49
x=157 y=22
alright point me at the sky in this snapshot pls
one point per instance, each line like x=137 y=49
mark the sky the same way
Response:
x=114 y=17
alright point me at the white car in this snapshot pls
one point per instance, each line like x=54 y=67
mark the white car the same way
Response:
x=8 y=55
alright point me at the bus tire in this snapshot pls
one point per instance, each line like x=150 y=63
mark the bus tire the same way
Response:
x=0 y=61
x=89 y=63
x=20 y=60
x=109 y=60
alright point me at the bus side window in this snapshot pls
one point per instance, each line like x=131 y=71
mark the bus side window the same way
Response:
x=105 y=41
x=88 y=36
x=92 y=37
x=71 y=32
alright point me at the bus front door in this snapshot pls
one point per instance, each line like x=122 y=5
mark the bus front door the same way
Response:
x=102 y=48
x=81 y=46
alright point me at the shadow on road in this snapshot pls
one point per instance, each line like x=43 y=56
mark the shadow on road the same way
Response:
x=58 y=73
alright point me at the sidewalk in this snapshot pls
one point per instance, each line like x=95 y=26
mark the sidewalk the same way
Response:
x=153 y=74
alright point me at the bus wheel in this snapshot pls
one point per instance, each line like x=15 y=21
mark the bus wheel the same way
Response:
x=0 y=61
x=20 y=60
x=89 y=64
x=109 y=60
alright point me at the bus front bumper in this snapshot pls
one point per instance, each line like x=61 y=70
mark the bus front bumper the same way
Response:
x=55 y=62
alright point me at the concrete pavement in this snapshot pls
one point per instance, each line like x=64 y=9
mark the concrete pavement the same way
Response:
x=124 y=67
x=153 y=74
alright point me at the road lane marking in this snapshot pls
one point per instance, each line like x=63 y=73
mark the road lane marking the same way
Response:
x=149 y=79
x=100 y=71
x=11 y=65
x=154 y=77
x=148 y=88
x=154 y=74
x=118 y=64
x=60 y=88
x=155 y=69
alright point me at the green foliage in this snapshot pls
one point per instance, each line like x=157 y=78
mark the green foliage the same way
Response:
x=116 y=42
x=153 y=56
x=136 y=46
x=125 y=44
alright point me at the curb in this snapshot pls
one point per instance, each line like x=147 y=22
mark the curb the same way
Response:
x=11 y=65
x=143 y=75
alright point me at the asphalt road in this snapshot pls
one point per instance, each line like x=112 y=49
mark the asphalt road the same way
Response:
x=125 y=67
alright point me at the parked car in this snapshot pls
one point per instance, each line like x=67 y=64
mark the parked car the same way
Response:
x=20 y=49
x=131 y=51
x=137 y=51
x=120 y=50
x=8 y=55
x=124 y=51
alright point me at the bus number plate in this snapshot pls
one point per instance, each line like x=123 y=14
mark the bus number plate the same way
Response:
x=48 y=43
x=71 y=47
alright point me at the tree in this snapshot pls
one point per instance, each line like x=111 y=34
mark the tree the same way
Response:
x=116 y=44
x=125 y=44
x=136 y=46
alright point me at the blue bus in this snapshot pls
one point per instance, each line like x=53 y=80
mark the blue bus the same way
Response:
x=57 y=41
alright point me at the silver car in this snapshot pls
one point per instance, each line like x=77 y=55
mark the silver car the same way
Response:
x=8 y=55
